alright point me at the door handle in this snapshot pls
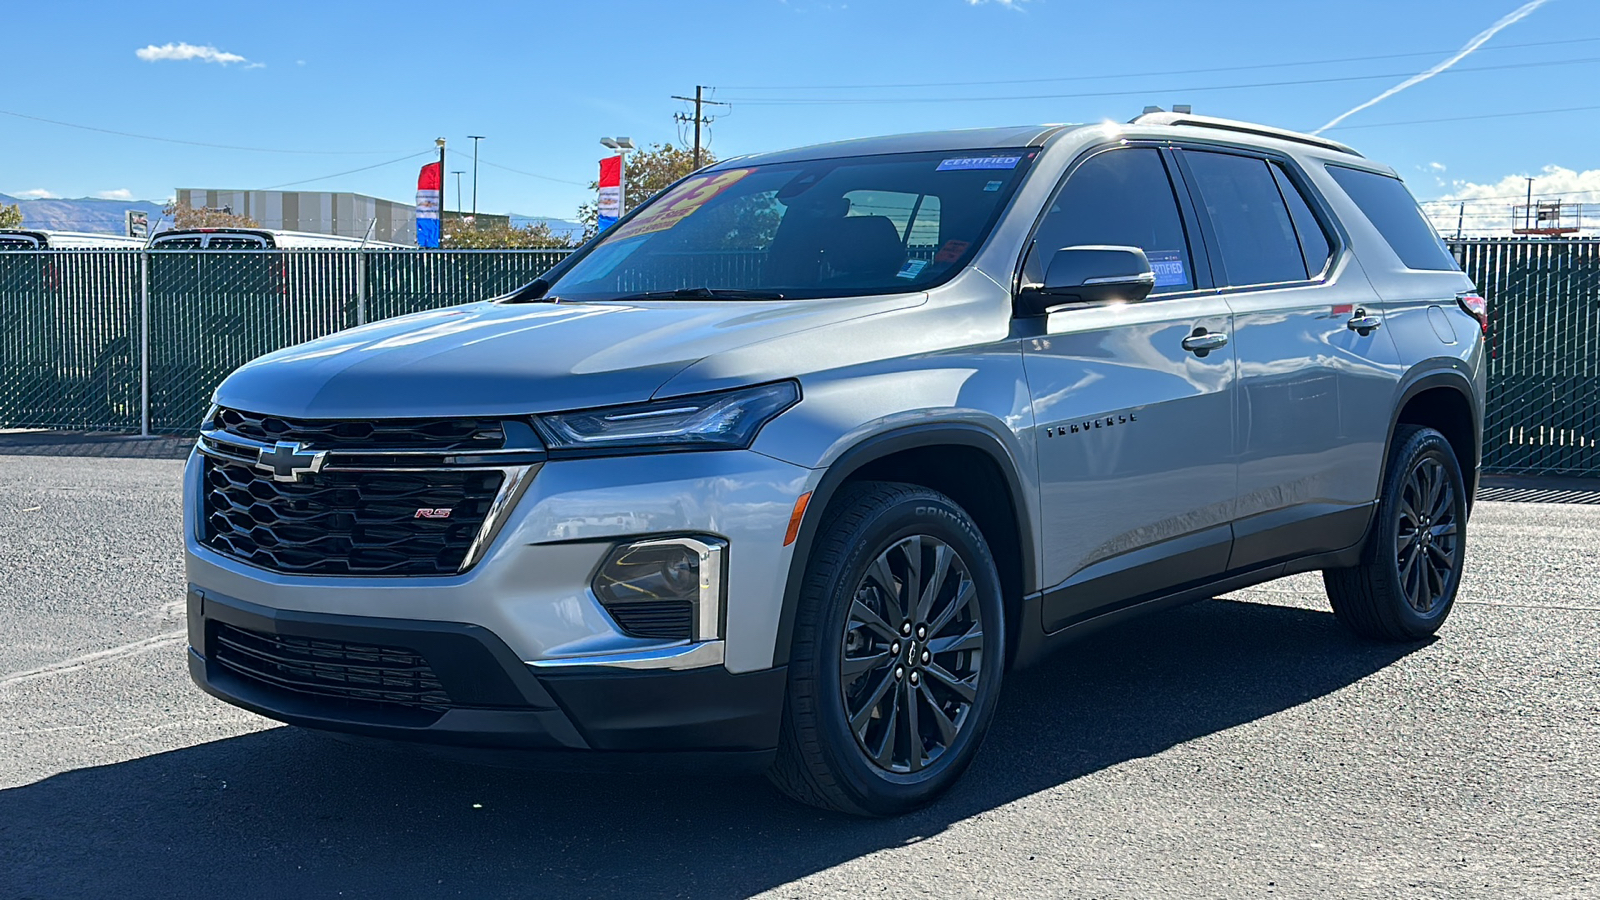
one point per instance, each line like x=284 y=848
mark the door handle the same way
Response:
x=1364 y=324
x=1202 y=342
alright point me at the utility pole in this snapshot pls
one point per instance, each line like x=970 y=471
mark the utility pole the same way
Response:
x=475 y=139
x=1527 y=211
x=458 y=173
x=1461 y=214
x=700 y=102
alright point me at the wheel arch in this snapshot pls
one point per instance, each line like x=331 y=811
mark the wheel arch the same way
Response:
x=964 y=461
x=1444 y=400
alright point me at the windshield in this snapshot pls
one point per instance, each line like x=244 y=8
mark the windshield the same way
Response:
x=818 y=228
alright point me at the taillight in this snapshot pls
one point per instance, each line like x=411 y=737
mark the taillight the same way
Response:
x=1476 y=307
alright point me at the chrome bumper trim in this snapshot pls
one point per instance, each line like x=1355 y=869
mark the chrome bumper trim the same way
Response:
x=675 y=658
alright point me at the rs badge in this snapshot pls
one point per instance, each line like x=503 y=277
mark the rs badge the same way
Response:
x=426 y=513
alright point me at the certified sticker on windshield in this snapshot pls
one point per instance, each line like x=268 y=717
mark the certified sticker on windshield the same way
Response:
x=681 y=202
x=978 y=163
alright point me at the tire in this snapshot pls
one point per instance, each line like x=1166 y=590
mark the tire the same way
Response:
x=880 y=717
x=1406 y=584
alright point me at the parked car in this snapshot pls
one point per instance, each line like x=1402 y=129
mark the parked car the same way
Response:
x=30 y=239
x=986 y=392
x=258 y=239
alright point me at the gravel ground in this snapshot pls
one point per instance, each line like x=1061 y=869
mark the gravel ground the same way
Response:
x=1235 y=748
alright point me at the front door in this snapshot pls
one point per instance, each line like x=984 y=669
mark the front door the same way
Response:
x=1134 y=431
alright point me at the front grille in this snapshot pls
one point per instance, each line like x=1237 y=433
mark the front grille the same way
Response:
x=441 y=435
x=346 y=523
x=663 y=619
x=362 y=674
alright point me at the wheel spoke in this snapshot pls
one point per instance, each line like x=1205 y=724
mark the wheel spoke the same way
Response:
x=865 y=616
x=967 y=690
x=863 y=716
x=1444 y=529
x=963 y=596
x=889 y=589
x=971 y=639
x=934 y=582
x=908 y=699
x=852 y=666
x=947 y=728
x=911 y=548
x=884 y=755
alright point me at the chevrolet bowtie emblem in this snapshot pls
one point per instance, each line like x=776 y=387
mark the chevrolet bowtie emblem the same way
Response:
x=289 y=460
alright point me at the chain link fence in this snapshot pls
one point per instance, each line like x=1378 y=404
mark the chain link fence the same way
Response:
x=73 y=337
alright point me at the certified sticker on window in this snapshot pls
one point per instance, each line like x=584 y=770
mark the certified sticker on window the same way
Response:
x=978 y=163
x=681 y=202
x=1167 y=265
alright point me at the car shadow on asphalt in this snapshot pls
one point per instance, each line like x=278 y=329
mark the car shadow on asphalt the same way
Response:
x=286 y=813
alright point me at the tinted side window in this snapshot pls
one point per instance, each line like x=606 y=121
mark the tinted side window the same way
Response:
x=1249 y=218
x=1123 y=198
x=1313 y=240
x=1389 y=206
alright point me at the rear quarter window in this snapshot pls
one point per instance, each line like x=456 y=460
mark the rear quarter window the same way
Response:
x=1392 y=210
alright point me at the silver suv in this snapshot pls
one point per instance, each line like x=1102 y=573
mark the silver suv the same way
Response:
x=795 y=462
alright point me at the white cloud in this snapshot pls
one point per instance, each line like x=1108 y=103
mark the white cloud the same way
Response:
x=1008 y=4
x=117 y=194
x=37 y=194
x=1484 y=210
x=178 y=52
x=1436 y=166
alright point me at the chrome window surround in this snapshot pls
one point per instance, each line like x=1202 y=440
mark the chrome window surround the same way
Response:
x=516 y=465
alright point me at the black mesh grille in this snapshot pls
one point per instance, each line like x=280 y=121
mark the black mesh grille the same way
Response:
x=346 y=523
x=443 y=435
x=358 y=673
x=664 y=619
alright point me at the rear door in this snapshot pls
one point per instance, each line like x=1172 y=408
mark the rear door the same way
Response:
x=1314 y=393
x=1134 y=432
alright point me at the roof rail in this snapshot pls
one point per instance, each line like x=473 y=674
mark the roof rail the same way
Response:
x=1283 y=134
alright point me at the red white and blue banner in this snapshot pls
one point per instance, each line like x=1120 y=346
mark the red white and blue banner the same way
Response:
x=429 y=182
x=610 y=191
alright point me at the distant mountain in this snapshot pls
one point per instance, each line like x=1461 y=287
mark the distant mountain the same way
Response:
x=83 y=214
x=558 y=227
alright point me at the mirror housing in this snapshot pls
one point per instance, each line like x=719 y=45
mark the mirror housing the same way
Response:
x=1089 y=274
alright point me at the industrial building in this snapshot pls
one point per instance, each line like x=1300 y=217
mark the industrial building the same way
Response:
x=323 y=212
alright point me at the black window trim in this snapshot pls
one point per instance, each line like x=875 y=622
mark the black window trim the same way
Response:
x=1188 y=216
x=1338 y=241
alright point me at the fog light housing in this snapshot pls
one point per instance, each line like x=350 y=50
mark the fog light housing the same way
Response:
x=664 y=588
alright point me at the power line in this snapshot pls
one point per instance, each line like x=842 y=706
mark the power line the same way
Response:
x=350 y=171
x=532 y=175
x=1309 y=62
x=1531 y=112
x=1516 y=196
x=825 y=101
x=166 y=140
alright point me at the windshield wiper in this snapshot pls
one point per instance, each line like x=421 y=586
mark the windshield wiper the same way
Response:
x=703 y=293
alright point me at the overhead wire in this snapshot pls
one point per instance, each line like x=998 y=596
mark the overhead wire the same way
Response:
x=351 y=171
x=533 y=175
x=834 y=101
x=1059 y=78
x=206 y=144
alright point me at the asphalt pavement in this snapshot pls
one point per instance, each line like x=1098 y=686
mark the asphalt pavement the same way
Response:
x=1241 y=747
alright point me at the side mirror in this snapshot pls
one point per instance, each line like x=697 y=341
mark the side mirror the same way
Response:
x=1089 y=274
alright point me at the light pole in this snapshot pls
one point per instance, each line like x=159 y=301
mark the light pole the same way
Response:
x=475 y=139
x=458 y=173
x=622 y=145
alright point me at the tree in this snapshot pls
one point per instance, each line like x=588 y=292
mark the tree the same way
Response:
x=461 y=234
x=650 y=171
x=10 y=216
x=189 y=217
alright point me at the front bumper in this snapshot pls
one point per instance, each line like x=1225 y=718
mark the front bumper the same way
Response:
x=490 y=698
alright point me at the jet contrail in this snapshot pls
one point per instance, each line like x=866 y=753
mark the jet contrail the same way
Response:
x=1521 y=12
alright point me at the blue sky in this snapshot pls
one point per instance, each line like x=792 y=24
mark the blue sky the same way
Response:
x=357 y=85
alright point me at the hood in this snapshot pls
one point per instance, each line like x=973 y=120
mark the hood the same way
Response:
x=518 y=358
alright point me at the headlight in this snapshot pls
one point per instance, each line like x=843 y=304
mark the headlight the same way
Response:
x=728 y=420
